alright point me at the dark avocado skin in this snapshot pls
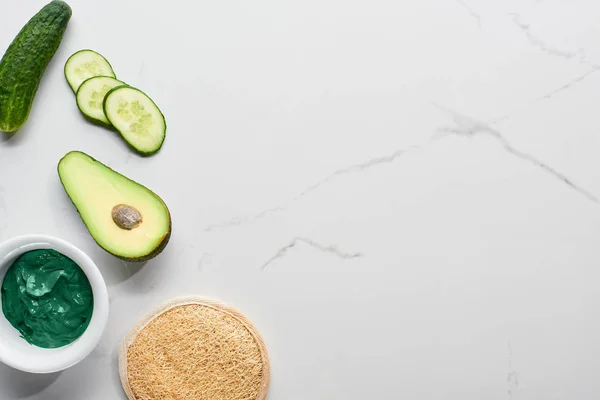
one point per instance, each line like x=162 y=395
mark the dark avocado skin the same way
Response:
x=25 y=61
x=157 y=250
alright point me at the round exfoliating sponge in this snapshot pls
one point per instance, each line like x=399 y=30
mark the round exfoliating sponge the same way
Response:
x=194 y=348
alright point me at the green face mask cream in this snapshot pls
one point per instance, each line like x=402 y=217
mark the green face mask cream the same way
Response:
x=47 y=298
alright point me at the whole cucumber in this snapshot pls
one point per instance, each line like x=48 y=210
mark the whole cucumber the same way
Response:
x=25 y=61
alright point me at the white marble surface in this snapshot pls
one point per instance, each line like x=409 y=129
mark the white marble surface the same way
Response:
x=402 y=195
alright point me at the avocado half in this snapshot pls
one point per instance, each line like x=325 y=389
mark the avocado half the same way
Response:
x=125 y=218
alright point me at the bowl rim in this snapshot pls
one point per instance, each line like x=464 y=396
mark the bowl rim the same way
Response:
x=93 y=333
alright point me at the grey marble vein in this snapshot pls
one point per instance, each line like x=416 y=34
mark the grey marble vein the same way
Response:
x=360 y=167
x=512 y=379
x=579 y=55
x=543 y=46
x=326 y=249
x=571 y=83
x=467 y=126
x=373 y=162
x=464 y=126
x=471 y=12
x=568 y=85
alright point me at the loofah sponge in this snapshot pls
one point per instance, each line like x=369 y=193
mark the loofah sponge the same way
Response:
x=194 y=349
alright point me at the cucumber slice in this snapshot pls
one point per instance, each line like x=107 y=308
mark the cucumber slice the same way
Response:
x=90 y=96
x=137 y=118
x=86 y=64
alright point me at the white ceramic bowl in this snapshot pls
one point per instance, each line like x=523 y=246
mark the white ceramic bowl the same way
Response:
x=18 y=353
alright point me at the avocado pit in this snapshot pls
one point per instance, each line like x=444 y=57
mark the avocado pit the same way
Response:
x=126 y=217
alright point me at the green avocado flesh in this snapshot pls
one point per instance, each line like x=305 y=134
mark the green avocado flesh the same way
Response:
x=125 y=218
x=47 y=298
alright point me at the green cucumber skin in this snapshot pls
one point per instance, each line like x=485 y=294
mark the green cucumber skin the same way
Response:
x=25 y=61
